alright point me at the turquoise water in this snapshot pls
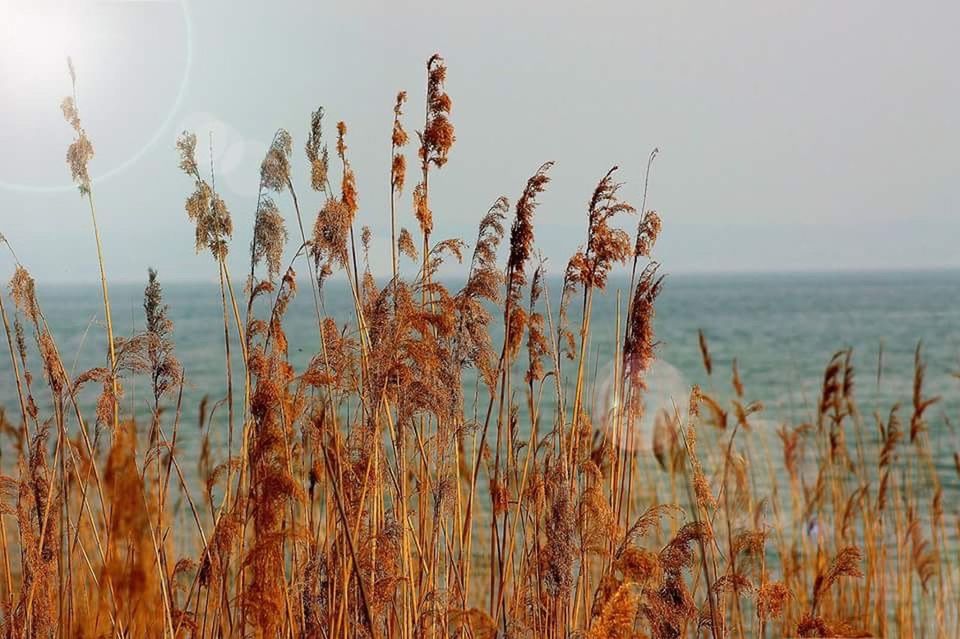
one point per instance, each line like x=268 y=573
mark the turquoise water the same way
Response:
x=781 y=328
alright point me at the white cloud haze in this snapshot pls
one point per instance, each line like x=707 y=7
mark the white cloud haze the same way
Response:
x=793 y=136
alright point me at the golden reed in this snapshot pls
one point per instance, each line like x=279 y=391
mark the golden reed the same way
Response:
x=375 y=493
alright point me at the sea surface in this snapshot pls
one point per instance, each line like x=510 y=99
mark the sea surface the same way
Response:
x=782 y=330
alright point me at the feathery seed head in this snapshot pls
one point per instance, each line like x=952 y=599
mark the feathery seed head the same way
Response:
x=605 y=245
x=331 y=234
x=421 y=209
x=438 y=134
x=772 y=599
x=23 y=292
x=647 y=234
x=406 y=245
x=317 y=152
x=521 y=233
x=207 y=210
x=275 y=168
x=187 y=149
x=639 y=345
x=341 y=139
x=80 y=151
x=269 y=236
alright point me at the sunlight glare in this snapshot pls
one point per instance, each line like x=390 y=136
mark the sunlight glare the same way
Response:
x=35 y=40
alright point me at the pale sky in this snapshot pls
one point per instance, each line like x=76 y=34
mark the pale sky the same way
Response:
x=793 y=135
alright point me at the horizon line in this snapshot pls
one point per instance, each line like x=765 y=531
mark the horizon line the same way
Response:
x=722 y=272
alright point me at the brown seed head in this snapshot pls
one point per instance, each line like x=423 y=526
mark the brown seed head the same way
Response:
x=438 y=136
x=275 y=168
x=23 y=292
x=317 y=152
x=80 y=151
x=772 y=599
x=269 y=236
x=638 y=348
x=521 y=233
x=421 y=209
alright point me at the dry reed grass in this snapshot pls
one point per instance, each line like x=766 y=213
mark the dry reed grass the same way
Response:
x=364 y=497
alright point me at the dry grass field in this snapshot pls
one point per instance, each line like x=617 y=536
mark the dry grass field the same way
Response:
x=375 y=493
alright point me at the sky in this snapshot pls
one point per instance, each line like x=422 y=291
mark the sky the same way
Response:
x=793 y=136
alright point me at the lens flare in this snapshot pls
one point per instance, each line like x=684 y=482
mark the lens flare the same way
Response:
x=667 y=391
x=36 y=38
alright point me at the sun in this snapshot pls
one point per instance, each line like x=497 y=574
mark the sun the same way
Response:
x=35 y=40
x=101 y=37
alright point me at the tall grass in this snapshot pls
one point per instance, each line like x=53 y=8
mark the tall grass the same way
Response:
x=376 y=493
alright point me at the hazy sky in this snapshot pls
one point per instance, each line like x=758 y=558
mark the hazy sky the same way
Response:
x=793 y=135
